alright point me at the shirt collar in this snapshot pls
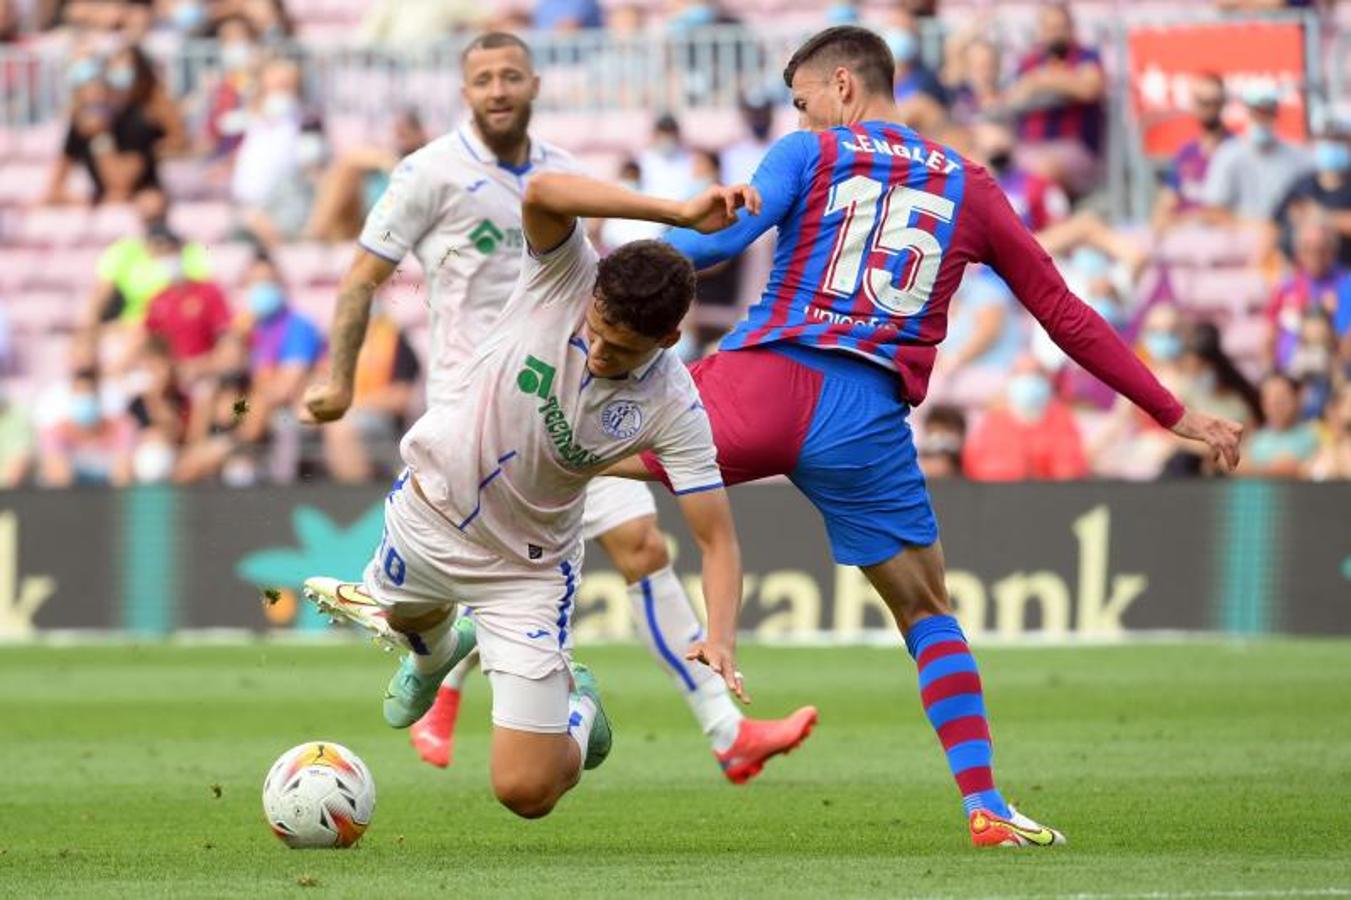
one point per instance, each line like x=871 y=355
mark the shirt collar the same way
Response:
x=642 y=371
x=479 y=150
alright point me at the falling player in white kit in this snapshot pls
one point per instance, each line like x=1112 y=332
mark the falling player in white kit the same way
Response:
x=457 y=205
x=575 y=375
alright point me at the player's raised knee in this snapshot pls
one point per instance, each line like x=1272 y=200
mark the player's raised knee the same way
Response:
x=637 y=549
x=527 y=795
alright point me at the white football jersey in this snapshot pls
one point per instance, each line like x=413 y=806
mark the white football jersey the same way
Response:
x=525 y=425
x=459 y=210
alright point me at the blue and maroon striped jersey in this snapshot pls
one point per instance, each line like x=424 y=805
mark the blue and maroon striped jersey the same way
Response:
x=876 y=225
x=1066 y=119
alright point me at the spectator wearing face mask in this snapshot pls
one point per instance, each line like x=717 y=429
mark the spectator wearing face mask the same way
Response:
x=284 y=348
x=268 y=155
x=1318 y=283
x=1030 y=436
x=114 y=144
x=921 y=99
x=133 y=270
x=1182 y=193
x=1313 y=362
x=667 y=165
x=941 y=441
x=1284 y=445
x=975 y=82
x=85 y=446
x=287 y=208
x=189 y=317
x=138 y=92
x=1038 y=200
x=1249 y=176
x=1326 y=191
x=1058 y=95
x=227 y=96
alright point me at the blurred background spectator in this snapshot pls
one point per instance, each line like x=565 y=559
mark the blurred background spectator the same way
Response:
x=1028 y=435
x=1182 y=194
x=86 y=445
x=1248 y=177
x=1284 y=446
x=1058 y=95
x=194 y=133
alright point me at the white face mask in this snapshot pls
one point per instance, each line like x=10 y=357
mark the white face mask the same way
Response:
x=280 y=105
x=153 y=462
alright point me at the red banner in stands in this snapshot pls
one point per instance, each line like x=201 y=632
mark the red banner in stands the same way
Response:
x=1245 y=54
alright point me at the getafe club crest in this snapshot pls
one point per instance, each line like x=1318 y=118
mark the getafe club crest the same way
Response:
x=621 y=419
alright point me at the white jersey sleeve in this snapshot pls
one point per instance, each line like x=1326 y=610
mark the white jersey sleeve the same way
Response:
x=412 y=205
x=685 y=448
x=564 y=276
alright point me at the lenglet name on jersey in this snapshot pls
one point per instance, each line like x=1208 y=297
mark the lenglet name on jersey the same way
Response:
x=560 y=432
x=931 y=159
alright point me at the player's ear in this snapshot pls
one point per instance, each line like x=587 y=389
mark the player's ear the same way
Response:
x=534 y=91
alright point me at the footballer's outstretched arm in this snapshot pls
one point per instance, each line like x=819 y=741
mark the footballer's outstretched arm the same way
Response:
x=709 y=516
x=1015 y=254
x=553 y=202
x=329 y=400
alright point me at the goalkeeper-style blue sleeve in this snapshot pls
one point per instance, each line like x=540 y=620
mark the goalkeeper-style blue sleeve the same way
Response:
x=780 y=179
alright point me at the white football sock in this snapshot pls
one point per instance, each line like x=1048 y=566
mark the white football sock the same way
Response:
x=581 y=716
x=432 y=647
x=455 y=677
x=668 y=625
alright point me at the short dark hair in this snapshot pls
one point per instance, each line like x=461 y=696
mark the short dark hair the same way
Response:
x=495 y=40
x=645 y=286
x=859 y=50
x=943 y=415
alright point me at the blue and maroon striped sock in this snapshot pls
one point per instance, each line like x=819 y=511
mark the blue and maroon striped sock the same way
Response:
x=949 y=686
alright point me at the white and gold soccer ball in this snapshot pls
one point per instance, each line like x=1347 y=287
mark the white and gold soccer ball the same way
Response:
x=319 y=794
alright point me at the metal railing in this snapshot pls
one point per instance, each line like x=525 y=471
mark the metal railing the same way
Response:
x=597 y=71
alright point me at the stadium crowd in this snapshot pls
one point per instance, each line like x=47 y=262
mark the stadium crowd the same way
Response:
x=203 y=319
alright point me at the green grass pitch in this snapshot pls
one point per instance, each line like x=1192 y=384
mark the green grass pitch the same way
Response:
x=1197 y=769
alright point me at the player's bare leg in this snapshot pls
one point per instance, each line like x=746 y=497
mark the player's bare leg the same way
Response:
x=534 y=763
x=668 y=625
x=912 y=584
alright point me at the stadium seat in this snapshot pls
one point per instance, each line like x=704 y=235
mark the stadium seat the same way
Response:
x=54 y=226
x=207 y=222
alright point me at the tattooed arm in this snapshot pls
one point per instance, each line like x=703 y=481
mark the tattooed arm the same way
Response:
x=328 y=400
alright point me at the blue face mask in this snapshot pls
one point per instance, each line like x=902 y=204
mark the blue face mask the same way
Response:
x=903 y=44
x=83 y=71
x=1029 y=394
x=1106 y=307
x=695 y=17
x=1261 y=134
x=1331 y=156
x=84 y=410
x=1164 y=346
x=266 y=298
x=188 y=17
x=841 y=14
x=121 y=78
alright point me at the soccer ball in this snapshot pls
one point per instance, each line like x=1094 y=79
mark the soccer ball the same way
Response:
x=319 y=794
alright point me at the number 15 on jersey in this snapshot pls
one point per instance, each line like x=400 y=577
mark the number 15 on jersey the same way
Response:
x=864 y=201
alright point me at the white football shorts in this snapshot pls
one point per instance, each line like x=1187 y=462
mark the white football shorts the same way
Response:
x=610 y=502
x=523 y=615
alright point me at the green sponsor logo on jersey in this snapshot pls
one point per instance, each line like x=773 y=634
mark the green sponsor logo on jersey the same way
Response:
x=486 y=236
x=537 y=379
